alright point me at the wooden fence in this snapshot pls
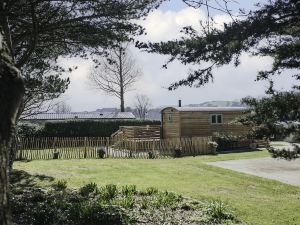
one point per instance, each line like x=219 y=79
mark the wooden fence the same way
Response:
x=78 y=148
x=141 y=132
x=138 y=132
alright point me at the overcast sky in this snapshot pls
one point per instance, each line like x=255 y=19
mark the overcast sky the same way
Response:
x=230 y=83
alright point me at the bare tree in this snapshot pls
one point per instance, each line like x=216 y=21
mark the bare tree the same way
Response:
x=62 y=107
x=142 y=106
x=115 y=74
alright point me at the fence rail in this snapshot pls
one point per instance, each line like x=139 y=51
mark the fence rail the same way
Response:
x=98 y=147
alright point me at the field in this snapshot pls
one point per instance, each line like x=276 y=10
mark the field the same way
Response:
x=255 y=200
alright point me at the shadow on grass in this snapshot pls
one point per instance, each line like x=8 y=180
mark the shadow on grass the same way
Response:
x=22 y=179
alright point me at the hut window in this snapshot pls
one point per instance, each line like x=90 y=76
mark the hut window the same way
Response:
x=216 y=119
x=169 y=117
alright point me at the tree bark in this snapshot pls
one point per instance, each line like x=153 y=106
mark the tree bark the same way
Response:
x=11 y=93
x=122 y=107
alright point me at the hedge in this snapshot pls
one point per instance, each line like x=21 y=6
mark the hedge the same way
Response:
x=88 y=128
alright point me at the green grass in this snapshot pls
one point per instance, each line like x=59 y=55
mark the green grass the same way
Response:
x=255 y=200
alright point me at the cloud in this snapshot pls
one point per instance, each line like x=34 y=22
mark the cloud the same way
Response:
x=229 y=82
x=163 y=26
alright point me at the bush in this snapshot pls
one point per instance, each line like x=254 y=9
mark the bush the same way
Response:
x=48 y=208
x=28 y=129
x=288 y=153
x=230 y=141
x=85 y=128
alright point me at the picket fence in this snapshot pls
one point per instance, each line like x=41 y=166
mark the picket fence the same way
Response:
x=106 y=147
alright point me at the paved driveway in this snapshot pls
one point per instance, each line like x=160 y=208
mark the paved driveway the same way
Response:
x=277 y=169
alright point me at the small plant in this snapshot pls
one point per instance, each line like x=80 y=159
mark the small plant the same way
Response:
x=177 y=152
x=151 y=155
x=87 y=189
x=166 y=199
x=109 y=192
x=144 y=203
x=60 y=185
x=218 y=211
x=212 y=147
x=55 y=154
x=127 y=202
x=151 y=191
x=101 y=152
x=128 y=190
x=92 y=213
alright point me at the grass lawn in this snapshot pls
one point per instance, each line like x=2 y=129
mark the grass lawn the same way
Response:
x=255 y=200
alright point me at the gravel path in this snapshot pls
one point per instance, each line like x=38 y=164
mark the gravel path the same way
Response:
x=276 y=169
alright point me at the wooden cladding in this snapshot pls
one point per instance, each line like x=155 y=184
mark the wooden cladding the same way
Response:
x=199 y=123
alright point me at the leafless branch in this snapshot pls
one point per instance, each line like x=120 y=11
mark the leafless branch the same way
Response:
x=115 y=74
x=142 y=106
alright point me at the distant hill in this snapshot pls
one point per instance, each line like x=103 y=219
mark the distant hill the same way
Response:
x=218 y=104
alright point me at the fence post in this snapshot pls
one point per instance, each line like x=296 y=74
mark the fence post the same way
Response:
x=85 y=143
x=107 y=146
x=54 y=142
x=20 y=149
x=153 y=143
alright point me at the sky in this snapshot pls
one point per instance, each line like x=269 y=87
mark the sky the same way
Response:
x=164 y=24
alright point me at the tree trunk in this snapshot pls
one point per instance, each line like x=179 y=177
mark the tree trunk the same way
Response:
x=15 y=138
x=122 y=107
x=11 y=93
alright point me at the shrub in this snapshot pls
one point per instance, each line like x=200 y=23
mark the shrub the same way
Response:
x=28 y=129
x=228 y=138
x=231 y=141
x=288 y=153
x=101 y=152
x=35 y=207
x=88 y=128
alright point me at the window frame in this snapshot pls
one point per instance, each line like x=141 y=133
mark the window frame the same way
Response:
x=216 y=115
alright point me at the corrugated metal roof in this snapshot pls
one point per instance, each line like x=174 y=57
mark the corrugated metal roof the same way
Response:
x=69 y=116
x=209 y=109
